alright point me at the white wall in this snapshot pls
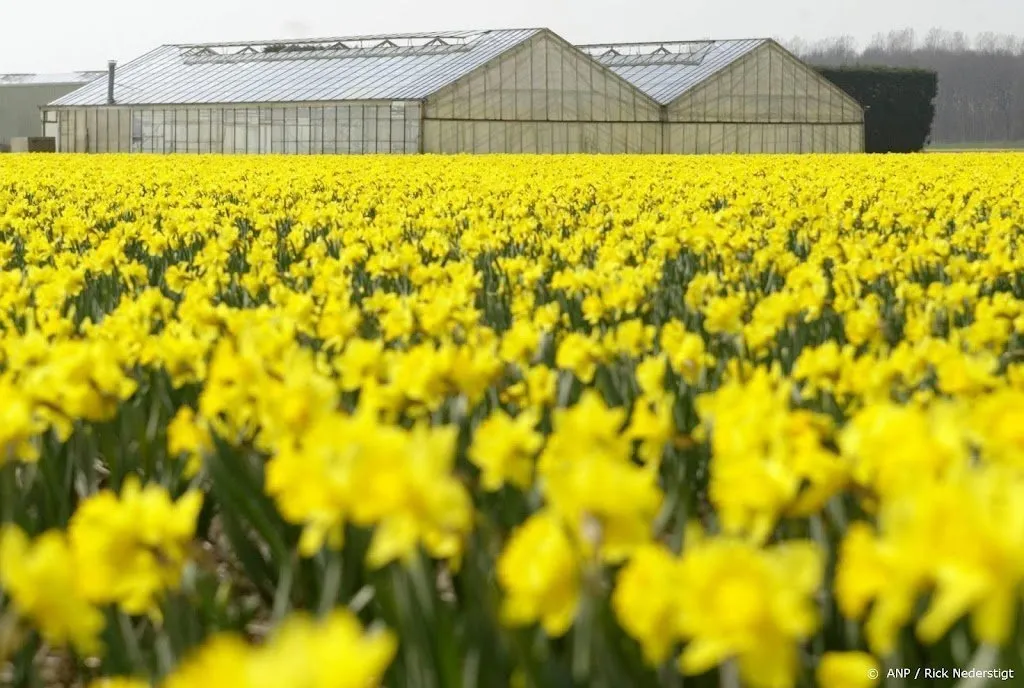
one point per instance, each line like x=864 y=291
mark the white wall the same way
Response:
x=20 y=107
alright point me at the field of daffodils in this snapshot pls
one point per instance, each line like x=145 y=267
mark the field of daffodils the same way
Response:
x=469 y=422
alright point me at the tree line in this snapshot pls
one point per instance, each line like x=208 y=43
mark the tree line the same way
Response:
x=981 y=79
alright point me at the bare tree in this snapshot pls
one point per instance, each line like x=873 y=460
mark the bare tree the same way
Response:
x=981 y=80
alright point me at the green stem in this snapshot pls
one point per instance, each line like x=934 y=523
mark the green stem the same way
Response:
x=332 y=583
x=362 y=598
x=8 y=492
x=283 y=594
x=131 y=642
x=583 y=638
x=165 y=654
x=729 y=674
x=984 y=659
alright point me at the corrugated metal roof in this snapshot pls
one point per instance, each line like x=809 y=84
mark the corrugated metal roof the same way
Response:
x=671 y=69
x=39 y=79
x=406 y=68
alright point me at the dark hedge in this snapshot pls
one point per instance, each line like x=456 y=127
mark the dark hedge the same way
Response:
x=899 y=104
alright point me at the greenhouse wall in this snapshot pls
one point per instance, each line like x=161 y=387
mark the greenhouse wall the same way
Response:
x=767 y=85
x=768 y=101
x=541 y=137
x=368 y=127
x=722 y=137
x=542 y=97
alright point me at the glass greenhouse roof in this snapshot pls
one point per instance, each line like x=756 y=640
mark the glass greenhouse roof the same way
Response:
x=665 y=71
x=394 y=67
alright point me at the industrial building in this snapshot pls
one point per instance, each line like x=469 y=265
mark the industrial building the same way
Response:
x=503 y=91
x=22 y=97
x=738 y=96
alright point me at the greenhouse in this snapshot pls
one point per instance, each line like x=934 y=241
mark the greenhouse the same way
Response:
x=738 y=96
x=482 y=92
x=504 y=91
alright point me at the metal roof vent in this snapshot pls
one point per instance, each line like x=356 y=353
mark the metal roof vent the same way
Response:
x=111 y=69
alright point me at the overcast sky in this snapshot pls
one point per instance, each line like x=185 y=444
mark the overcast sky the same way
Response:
x=70 y=35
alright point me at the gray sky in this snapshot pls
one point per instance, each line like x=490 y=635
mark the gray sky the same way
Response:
x=80 y=35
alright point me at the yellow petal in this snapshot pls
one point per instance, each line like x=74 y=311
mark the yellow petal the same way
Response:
x=847 y=670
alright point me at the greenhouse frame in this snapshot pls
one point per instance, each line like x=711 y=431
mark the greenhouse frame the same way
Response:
x=503 y=91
